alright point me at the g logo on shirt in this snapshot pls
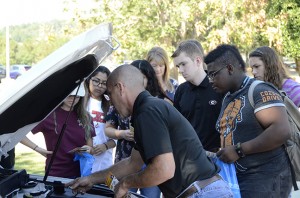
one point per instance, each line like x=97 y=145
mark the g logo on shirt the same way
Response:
x=212 y=102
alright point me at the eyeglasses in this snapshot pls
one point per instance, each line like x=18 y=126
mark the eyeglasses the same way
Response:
x=98 y=82
x=212 y=75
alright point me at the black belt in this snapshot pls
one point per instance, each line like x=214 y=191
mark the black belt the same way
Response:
x=202 y=184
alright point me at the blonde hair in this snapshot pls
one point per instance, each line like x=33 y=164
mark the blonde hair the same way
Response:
x=160 y=56
x=84 y=116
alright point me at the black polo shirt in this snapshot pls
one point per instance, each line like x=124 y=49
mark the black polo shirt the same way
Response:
x=201 y=106
x=159 y=128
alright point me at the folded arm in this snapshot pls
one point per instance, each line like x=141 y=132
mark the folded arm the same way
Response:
x=277 y=131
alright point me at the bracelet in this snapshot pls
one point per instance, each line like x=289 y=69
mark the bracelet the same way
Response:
x=239 y=150
x=35 y=147
x=106 y=146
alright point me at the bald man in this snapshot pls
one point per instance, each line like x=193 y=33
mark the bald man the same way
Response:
x=165 y=141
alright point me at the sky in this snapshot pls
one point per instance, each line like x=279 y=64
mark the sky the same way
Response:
x=15 y=12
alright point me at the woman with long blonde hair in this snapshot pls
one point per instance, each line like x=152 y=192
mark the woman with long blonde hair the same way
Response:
x=159 y=60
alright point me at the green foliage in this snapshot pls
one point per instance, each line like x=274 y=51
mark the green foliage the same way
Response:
x=31 y=43
x=288 y=13
x=139 y=24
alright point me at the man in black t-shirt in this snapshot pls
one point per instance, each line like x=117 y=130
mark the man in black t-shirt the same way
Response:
x=165 y=142
x=195 y=99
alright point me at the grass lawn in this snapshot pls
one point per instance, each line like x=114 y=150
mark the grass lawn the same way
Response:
x=32 y=162
x=27 y=159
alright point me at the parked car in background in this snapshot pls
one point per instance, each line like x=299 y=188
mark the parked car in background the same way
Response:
x=18 y=70
x=290 y=64
x=2 y=72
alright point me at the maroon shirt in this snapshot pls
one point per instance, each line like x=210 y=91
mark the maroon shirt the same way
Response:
x=74 y=136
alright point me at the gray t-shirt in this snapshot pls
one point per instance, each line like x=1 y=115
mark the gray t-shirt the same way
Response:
x=237 y=122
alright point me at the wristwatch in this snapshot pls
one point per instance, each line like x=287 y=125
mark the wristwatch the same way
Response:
x=239 y=150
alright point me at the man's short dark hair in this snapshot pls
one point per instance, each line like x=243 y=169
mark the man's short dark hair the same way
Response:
x=226 y=54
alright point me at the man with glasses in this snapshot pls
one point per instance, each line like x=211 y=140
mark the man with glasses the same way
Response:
x=195 y=99
x=252 y=138
x=165 y=141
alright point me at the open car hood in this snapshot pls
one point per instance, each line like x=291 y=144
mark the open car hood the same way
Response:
x=39 y=91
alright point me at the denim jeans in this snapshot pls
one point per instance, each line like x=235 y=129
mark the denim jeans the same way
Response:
x=150 y=192
x=266 y=186
x=217 y=189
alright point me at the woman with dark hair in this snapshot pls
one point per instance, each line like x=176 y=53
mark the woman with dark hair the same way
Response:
x=78 y=133
x=97 y=106
x=150 y=81
x=267 y=66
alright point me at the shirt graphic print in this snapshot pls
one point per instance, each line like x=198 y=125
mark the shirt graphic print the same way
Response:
x=229 y=119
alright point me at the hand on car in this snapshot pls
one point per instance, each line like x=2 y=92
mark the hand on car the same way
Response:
x=120 y=190
x=80 y=185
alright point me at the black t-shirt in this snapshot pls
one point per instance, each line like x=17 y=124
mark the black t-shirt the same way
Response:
x=159 y=128
x=201 y=106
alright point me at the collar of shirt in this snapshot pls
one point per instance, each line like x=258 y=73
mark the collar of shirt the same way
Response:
x=204 y=83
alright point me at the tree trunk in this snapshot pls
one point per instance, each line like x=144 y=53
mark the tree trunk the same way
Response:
x=297 y=61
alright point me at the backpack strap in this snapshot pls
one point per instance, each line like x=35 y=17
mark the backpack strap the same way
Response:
x=251 y=90
x=295 y=185
x=292 y=109
x=284 y=97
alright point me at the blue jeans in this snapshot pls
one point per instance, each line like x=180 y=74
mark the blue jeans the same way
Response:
x=266 y=185
x=150 y=192
x=217 y=189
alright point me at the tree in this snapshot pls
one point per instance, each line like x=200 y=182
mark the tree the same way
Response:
x=141 y=24
x=30 y=43
x=287 y=11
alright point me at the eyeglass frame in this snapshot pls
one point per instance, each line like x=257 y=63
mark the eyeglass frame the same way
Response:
x=98 y=82
x=212 y=75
